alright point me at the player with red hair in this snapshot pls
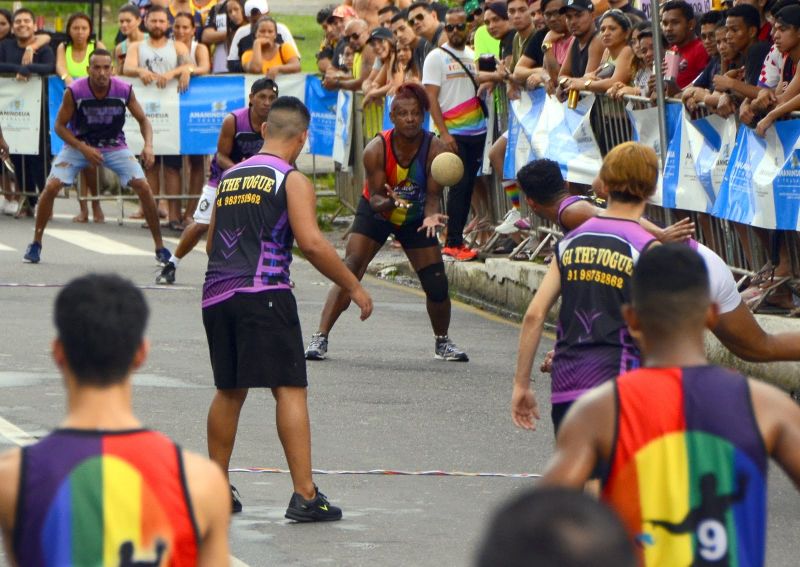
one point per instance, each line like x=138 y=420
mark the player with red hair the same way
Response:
x=400 y=198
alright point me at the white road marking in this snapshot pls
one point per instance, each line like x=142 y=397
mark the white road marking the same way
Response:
x=96 y=242
x=14 y=434
x=21 y=438
x=4 y=248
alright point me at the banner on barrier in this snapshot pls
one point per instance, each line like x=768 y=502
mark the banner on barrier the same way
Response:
x=21 y=114
x=203 y=107
x=761 y=186
x=321 y=104
x=542 y=127
x=697 y=155
x=343 y=133
x=162 y=108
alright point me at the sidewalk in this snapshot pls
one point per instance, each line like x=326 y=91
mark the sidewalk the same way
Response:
x=506 y=287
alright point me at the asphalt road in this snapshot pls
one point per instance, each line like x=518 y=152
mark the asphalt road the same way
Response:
x=380 y=402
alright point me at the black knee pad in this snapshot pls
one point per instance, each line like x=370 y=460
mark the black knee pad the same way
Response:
x=434 y=282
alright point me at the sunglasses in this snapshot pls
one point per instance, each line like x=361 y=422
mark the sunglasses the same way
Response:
x=353 y=36
x=475 y=13
x=418 y=18
x=453 y=27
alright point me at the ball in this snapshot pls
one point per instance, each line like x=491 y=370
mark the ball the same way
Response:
x=447 y=169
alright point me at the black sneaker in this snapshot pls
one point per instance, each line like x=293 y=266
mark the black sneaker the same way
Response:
x=318 y=347
x=316 y=510
x=167 y=275
x=163 y=255
x=447 y=350
x=236 y=503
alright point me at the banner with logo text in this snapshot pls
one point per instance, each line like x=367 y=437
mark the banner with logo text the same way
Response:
x=20 y=114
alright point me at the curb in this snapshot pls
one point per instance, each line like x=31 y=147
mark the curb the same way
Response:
x=505 y=287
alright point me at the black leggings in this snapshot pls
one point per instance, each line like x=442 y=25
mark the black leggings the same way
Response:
x=470 y=149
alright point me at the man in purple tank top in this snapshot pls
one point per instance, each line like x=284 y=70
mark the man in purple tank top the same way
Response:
x=249 y=312
x=90 y=122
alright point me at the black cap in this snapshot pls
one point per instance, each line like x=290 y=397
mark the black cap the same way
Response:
x=498 y=8
x=789 y=15
x=380 y=33
x=584 y=5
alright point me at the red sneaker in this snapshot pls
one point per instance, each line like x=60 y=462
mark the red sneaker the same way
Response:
x=465 y=254
x=451 y=251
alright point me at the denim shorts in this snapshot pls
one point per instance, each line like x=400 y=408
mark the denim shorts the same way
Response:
x=69 y=162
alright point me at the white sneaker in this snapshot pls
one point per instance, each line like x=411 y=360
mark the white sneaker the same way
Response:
x=10 y=208
x=507 y=226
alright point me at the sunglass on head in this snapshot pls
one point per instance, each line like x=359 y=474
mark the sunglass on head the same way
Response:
x=453 y=27
x=474 y=14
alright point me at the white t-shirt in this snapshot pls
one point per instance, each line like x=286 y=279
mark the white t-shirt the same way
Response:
x=772 y=70
x=721 y=282
x=457 y=96
x=244 y=31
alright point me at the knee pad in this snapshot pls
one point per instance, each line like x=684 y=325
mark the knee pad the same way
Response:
x=434 y=282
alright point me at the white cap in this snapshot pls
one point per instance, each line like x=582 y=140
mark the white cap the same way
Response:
x=260 y=5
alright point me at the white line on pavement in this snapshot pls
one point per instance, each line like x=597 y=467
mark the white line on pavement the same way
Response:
x=20 y=437
x=4 y=248
x=96 y=242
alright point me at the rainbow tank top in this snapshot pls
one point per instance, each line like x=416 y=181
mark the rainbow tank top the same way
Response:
x=409 y=182
x=104 y=499
x=688 y=469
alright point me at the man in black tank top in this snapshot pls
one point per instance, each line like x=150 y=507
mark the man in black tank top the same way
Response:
x=404 y=204
x=586 y=50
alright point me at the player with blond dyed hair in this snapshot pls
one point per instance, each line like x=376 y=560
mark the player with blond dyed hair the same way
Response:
x=591 y=273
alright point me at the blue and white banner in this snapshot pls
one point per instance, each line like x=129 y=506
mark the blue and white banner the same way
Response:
x=542 y=127
x=697 y=155
x=203 y=107
x=761 y=186
x=343 y=132
x=20 y=114
x=321 y=104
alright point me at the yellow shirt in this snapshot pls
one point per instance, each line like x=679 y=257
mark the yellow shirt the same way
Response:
x=281 y=57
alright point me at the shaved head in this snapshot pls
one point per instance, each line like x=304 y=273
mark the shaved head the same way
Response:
x=287 y=118
x=355 y=26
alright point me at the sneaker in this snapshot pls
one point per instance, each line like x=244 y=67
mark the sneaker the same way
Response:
x=317 y=348
x=466 y=254
x=33 y=253
x=523 y=224
x=11 y=208
x=236 y=502
x=167 y=275
x=508 y=226
x=451 y=251
x=447 y=350
x=163 y=255
x=316 y=510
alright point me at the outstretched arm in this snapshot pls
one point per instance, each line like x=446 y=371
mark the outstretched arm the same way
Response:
x=301 y=202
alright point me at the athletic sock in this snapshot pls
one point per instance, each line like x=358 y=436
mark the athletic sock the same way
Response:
x=512 y=192
x=175 y=260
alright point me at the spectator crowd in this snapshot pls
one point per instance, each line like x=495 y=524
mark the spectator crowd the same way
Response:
x=736 y=60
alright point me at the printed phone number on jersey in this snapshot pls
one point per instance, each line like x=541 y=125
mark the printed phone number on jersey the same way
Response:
x=596 y=276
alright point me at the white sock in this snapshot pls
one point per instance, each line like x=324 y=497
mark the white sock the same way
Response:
x=175 y=260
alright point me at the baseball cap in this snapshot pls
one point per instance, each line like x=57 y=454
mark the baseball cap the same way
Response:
x=498 y=8
x=260 y=5
x=380 y=33
x=344 y=11
x=583 y=5
x=789 y=15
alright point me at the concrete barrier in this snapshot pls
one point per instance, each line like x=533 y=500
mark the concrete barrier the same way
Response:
x=506 y=287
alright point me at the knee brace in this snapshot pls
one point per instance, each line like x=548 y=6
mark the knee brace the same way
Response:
x=434 y=282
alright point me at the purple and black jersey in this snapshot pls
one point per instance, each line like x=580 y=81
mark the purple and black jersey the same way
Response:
x=99 y=121
x=593 y=344
x=252 y=243
x=247 y=142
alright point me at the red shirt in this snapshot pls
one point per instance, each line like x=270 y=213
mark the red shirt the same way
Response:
x=693 y=60
x=765 y=33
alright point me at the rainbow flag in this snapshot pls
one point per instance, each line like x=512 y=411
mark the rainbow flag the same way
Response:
x=688 y=474
x=465 y=119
